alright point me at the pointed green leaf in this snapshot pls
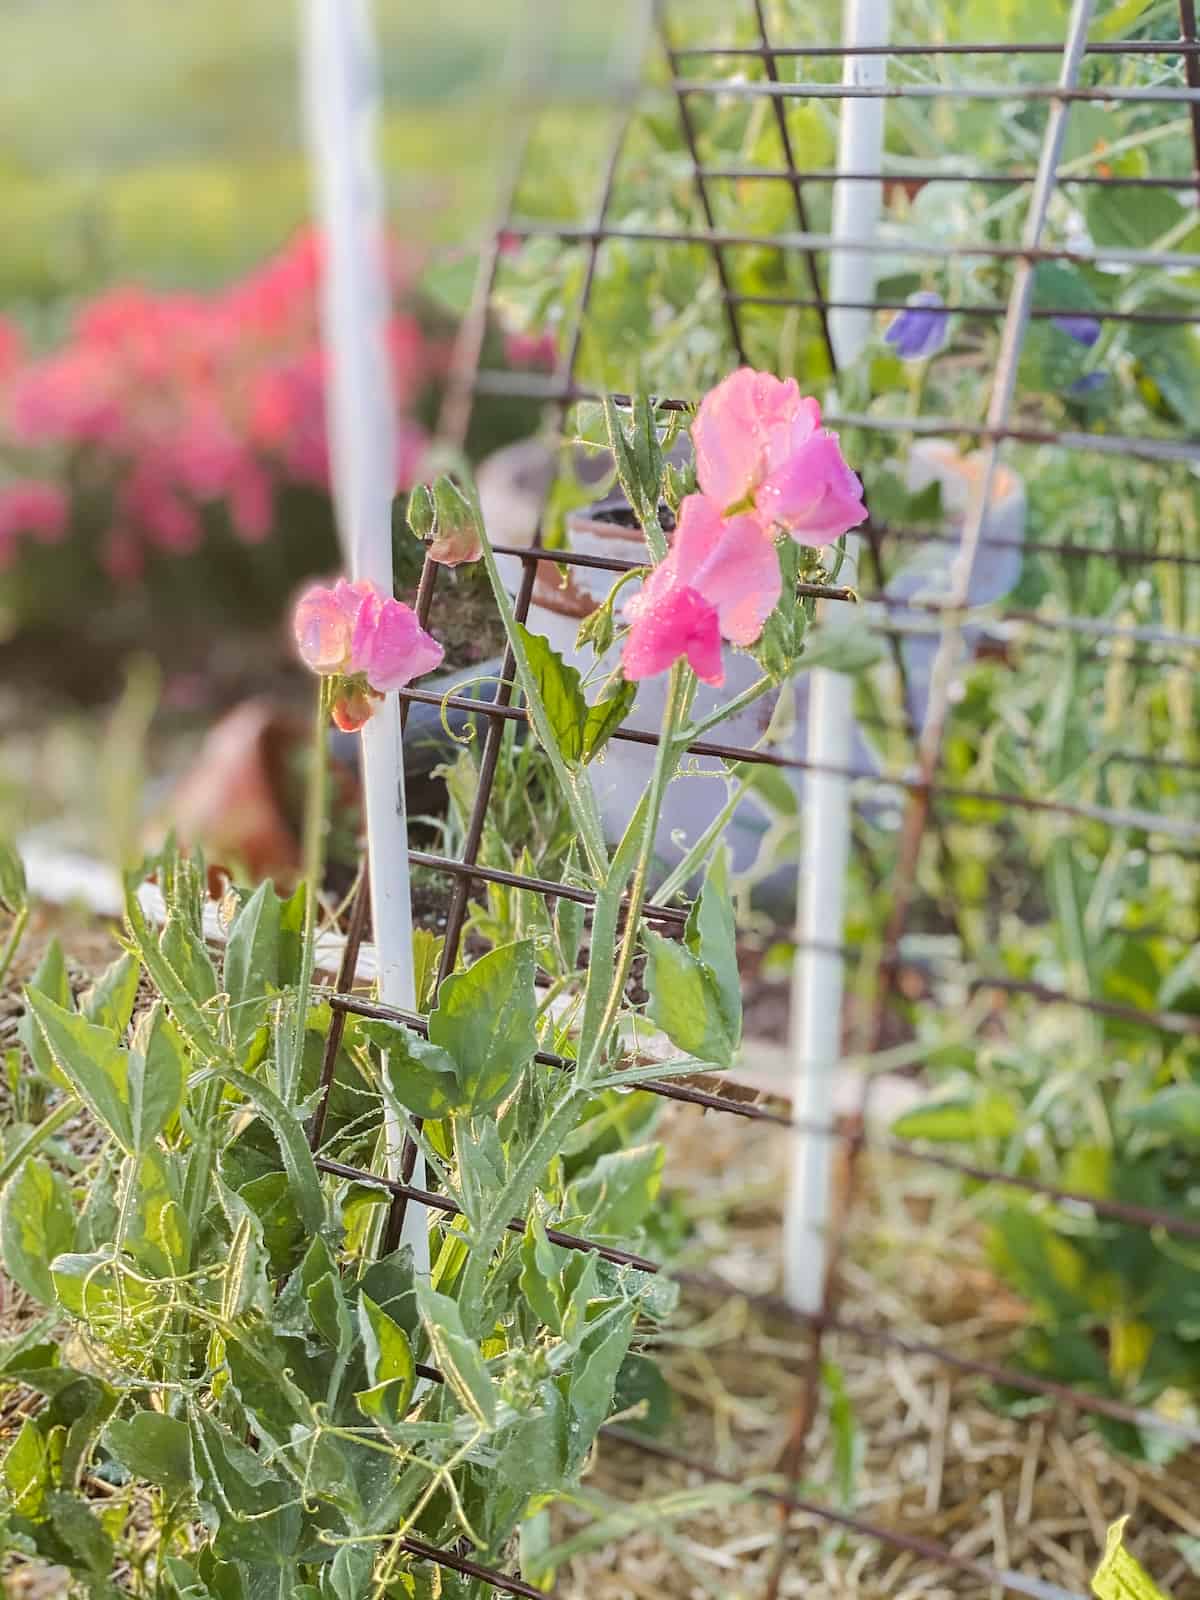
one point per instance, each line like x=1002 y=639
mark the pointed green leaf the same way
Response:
x=110 y=1000
x=26 y=1470
x=37 y=1223
x=685 y=1001
x=605 y=717
x=157 y=1077
x=293 y=1146
x=92 y=1061
x=558 y=687
x=14 y=893
x=251 y=969
x=457 y=1354
x=421 y=1077
x=619 y=1192
x=485 y=1020
x=49 y=979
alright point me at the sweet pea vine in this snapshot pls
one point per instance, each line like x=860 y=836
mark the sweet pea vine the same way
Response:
x=227 y=1342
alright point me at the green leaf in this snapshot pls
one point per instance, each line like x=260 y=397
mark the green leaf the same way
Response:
x=617 y=1195
x=91 y=1060
x=14 y=893
x=849 y=647
x=80 y=1530
x=558 y=687
x=541 y=1270
x=457 y=1355
x=157 y=1077
x=293 y=1146
x=182 y=981
x=983 y=1114
x=485 y=1021
x=390 y=1369
x=330 y=1314
x=848 y=1443
x=37 y=1223
x=1174 y=1111
x=637 y=454
x=421 y=1077
x=110 y=1000
x=49 y=979
x=252 y=962
x=26 y=1470
x=1128 y=218
x=593 y=1382
x=1116 y=21
x=420 y=513
x=605 y=717
x=427 y=956
x=1121 y=1576
x=1180 y=989
x=686 y=1002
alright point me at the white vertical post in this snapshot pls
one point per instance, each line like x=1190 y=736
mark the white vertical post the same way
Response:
x=817 y=979
x=342 y=97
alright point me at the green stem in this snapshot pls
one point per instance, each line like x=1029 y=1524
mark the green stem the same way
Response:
x=316 y=811
x=679 y=692
x=12 y=943
x=575 y=786
x=45 y=1129
x=512 y=1201
x=760 y=687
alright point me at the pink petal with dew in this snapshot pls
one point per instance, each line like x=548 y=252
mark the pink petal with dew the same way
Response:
x=324 y=625
x=814 y=496
x=731 y=563
x=733 y=431
x=390 y=645
x=669 y=620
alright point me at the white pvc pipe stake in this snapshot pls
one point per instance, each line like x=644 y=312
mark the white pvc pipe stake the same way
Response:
x=817 y=978
x=342 y=94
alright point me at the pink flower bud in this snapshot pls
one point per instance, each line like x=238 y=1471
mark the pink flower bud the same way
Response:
x=353 y=707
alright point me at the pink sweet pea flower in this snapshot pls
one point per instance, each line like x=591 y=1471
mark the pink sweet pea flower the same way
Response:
x=390 y=647
x=760 y=448
x=368 y=641
x=720 y=579
x=324 y=625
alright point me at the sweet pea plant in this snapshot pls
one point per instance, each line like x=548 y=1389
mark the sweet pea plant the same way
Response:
x=225 y=1342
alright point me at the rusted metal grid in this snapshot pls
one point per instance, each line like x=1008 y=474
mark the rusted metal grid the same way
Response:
x=926 y=793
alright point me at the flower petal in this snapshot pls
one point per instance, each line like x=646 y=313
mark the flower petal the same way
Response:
x=733 y=431
x=731 y=563
x=324 y=626
x=670 y=620
x=390 y=646
x=814 y=496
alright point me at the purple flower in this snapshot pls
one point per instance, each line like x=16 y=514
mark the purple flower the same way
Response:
x=922 y=329
x=1085 y=330
x=1088 y=384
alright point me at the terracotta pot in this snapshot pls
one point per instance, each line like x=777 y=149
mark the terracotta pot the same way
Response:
x=232 y=799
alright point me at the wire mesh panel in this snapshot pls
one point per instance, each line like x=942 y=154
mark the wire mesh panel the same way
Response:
x=1023 y=880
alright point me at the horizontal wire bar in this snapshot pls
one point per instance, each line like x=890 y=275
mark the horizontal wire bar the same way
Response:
x=1169 y=319
x=905 y=1149
x=1044 y=547
x=472 y=1569
x=1119 y=47
x=916 y=1544
x=1090 y=625
x=924 y=175
x=1107 y=816
x=706 y=1283
x=766 y=89
x=529 y=386
x=527 y=228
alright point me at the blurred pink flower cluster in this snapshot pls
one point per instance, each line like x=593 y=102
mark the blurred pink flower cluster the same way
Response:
x=159 y=405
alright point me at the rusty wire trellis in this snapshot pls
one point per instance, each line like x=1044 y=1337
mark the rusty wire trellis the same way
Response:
x=928 y=794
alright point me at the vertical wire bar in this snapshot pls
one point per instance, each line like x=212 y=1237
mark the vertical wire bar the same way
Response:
x=342 y=100
x=689 y=133
x=818 y=977
x=797 y=188
x=1191 y=67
